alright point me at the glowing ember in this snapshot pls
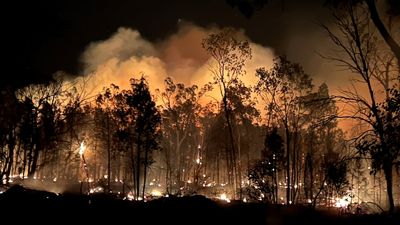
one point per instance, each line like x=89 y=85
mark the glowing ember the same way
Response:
x=342 y=202
x=223 y=197
x=156 y=193
x=96 y=190
x=130 y=196
x=82 y=148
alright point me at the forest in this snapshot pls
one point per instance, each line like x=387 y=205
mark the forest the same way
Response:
x=279 y=141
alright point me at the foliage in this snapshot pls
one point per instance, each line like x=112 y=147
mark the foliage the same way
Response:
x=262 y=186
x=336 y=175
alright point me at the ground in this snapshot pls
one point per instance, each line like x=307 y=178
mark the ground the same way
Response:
x=29 y=206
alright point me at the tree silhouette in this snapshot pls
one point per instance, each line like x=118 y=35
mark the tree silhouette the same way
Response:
x=44 y=102
x=262 y=186
x=147 y=129
x=273 y=155
x=105 y=124
x=282 y=88
x=384 y=31
x=180 y=123
x=8 y=131
x=229 y=55
x=249 y=7
x=334 y=176
x=361 y=56
x=321 y=134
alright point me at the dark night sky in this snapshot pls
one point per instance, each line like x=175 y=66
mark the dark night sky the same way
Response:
x=43 y=37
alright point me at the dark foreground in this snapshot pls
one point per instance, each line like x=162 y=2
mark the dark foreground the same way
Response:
x=22 y=205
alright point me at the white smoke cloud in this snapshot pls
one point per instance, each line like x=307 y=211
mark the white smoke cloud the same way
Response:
x=126 y=54
x=123 y=45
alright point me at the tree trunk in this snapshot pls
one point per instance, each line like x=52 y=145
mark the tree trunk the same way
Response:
x=168 y=177
x=146 y=154
x=108 y=155
x=394 y=46
x=218 y=161
x=294 y=167
x=33 y=166
x=133 y=169
x=288 y=200
x=5 y=166
x=179 y=160
x=232 y=153
x=308 y=177
x=24 y=162
x=239 y=167
x=314 y=201
x=138 y=149
x=276 y=177
x=311 y=178
x=389 y=185
x=17 y=167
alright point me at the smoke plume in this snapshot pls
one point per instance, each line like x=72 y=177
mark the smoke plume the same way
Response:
x=126 y=54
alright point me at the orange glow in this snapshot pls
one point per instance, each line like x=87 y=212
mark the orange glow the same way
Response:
x=82 y=148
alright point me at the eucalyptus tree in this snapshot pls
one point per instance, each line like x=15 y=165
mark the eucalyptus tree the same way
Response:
x=229 y=55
